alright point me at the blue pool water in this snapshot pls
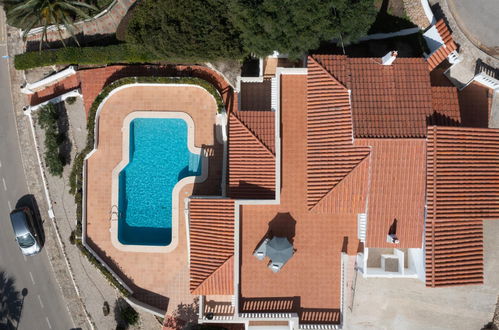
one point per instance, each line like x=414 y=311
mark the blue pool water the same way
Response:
x=159 y=158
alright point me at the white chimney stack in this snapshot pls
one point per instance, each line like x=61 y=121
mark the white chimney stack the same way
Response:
x=389 y=58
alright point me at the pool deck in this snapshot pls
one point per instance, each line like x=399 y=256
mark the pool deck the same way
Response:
x=159 y=279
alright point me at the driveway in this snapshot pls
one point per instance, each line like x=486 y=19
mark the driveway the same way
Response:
x=479 y=21
x=408 y=304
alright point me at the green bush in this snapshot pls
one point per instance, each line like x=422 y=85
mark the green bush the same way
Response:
x=99 y=55
x=71 y=100
x=129 y=315
x=47 y=119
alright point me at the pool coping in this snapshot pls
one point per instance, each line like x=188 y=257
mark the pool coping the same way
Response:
x=176 y=189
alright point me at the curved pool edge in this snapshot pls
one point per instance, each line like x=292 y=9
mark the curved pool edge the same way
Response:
x=176 y=189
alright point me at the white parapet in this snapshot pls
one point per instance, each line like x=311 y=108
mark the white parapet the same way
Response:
x=50 y=80
x=487 y=80
x=57 y=99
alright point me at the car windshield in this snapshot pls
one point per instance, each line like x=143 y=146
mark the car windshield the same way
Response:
x=26 y=240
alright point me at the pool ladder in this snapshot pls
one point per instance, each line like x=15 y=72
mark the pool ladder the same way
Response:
x=114 y=213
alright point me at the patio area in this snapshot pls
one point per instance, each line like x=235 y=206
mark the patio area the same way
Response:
x=159 y=279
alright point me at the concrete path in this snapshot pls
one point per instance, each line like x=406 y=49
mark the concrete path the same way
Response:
x=104 y=23
x=479 y=21
x=408 y=304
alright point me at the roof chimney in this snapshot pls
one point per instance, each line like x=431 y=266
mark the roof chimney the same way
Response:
x=389 y=58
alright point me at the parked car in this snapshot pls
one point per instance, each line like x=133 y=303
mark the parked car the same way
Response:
x=25 y=231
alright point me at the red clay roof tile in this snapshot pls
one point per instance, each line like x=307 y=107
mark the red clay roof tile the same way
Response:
x=330 y=153
x=462 y=190
x=387 y=100
x=448 y=47
x=251 y=167
x=396 y=191
x=445 y=105
x=211 y=231
x=261 y=124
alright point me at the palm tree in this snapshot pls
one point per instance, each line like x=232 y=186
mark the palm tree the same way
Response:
x=28 y=14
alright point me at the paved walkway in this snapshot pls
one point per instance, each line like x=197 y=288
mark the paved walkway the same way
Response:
x=104 y=23
x=464 y=71
x=92 y=81
x=479 y=21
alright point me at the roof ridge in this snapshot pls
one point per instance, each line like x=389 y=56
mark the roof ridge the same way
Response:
x=327 y=72
x=343 y=178
x=253 y=135
x=215 y=271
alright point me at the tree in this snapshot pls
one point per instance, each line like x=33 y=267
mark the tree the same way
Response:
x=294 y=27
x=28 y=14
x=187 y=29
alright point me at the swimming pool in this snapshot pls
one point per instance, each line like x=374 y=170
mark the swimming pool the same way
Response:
x=158 y=159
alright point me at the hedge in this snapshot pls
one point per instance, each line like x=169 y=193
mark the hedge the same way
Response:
x=76 y=176
x=47 y=119
x=98 y=55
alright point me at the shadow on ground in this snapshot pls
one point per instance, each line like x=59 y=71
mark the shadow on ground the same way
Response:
x=11 y=302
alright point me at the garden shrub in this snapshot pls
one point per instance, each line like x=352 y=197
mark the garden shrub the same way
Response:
x=129 y=315
x=71 y=100
x=47 y=119
x=98 y=55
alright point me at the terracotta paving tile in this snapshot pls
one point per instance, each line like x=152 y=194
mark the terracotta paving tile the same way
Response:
x=154 y=276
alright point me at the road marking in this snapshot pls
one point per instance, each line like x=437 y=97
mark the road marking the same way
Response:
x=25 y=258
x=32 y=279
x=0 y=164
x=40 y=301
x=10 y=206
x=4 y=184
x=48 y=322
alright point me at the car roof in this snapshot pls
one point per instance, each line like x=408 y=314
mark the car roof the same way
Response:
x=19 y=222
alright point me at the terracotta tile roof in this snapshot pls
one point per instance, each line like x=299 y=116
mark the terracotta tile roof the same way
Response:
x=448 y=47
x=396 y=191
x=220 y=282
x=388 y=101
x=330 y=153
x=349 y=195
x=251 y=167
x=261 y=124
x=462 y=190
x=445 y=105
x=212 y=245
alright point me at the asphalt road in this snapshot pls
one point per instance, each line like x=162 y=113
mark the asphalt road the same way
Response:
x=42 y=305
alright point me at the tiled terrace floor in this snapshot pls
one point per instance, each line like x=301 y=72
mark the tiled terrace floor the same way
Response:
x=309 y=283
x=160 y=279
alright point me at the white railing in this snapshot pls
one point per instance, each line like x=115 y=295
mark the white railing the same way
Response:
x=273 y=94
x=267 y=315
x=362 y=226
x=487 y=80
x=50 y=80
